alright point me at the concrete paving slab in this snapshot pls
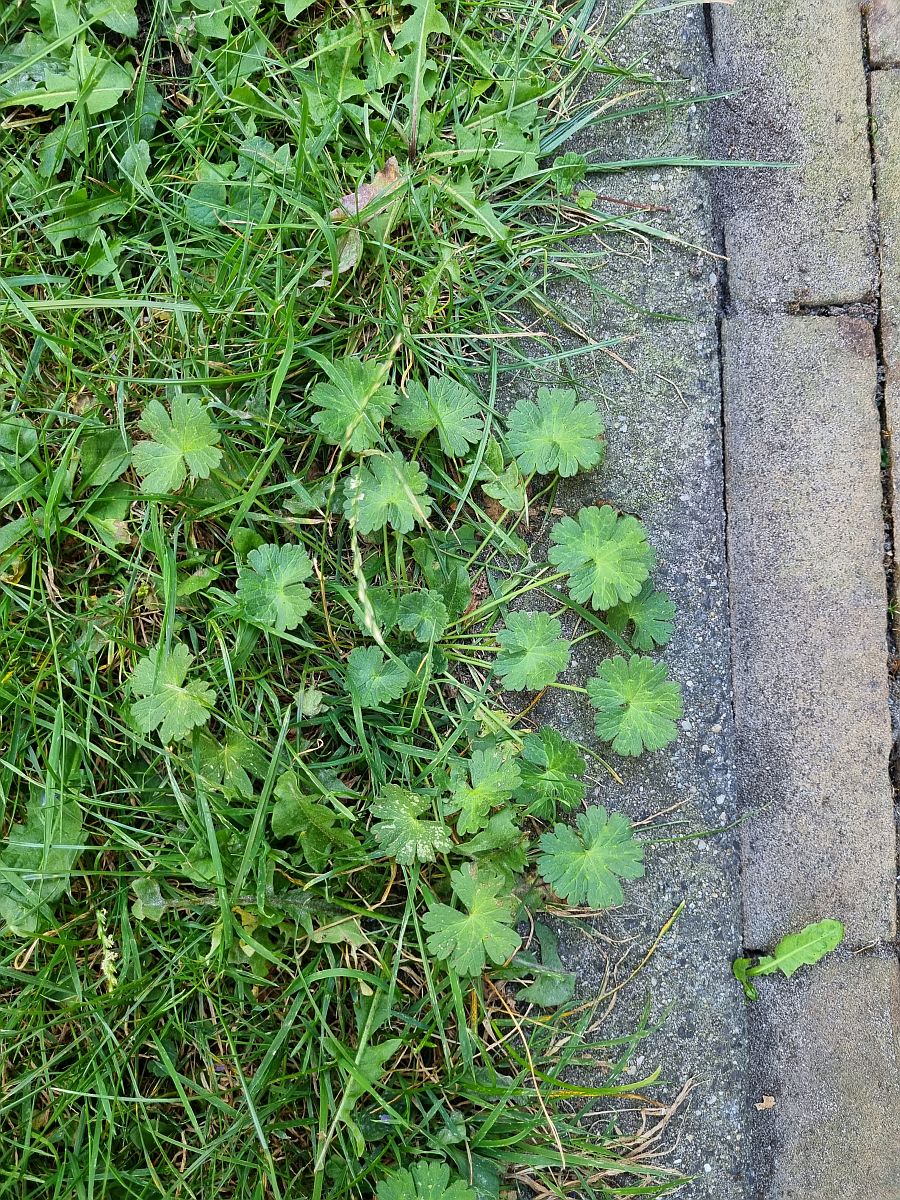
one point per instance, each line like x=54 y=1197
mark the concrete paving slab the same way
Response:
x=809 y=626
x=800 y=236
x=883 y=25
x=826 y=1050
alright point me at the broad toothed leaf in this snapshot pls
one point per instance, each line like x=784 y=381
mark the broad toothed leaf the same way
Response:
x=650 y=613
x=182 y=443
x=36 y=861
x=556 y=432
x=637 y=705
x=606 y=557
x=483 y=932
x=353 y=404
x=388 y=490
x=271 y=588
x=533 y=653
x=485 y=782
x=228 y=762
x=374 y=679
x=424 y=615
x=313 y=825
x=550 y=768
x=400 y=830
x=582 y=865
x=448 y=407
x=168 y=703
x=424 y=1181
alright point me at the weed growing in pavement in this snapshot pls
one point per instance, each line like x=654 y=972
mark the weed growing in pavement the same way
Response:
x=271 y=836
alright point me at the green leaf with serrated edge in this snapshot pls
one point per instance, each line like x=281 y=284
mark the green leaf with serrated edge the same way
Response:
x=353 y=404
x=568 y=171
x=149 y=903
x=59 y=19
x=550 y=768
x=486 y=781
x=795 y=950
x=501 y=845
x=553 y=985
x=37 y=859
x=185 y=441
x=374 y=679
x=533 y=653
x=135 y=163
x=507 y=488
x=169 y=704
x=293 y=8
x=99 y=82
x=468 y=940
x=606 y=556
x=271 y=587
x=424 y=1181
x=400 y=830
x=228 y=763
x=637 y=705
x=447 y=407
x=424 y=615
x=387 y=491
x=315 y=828
x=557 y=432
x=650 y=613
x=584 y=865
x=425 y=21
x=479 y=217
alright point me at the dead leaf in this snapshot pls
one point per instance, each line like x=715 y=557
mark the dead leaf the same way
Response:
x=383 y=183
x=766 y=1102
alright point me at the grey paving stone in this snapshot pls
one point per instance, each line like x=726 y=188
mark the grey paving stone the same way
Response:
x=800 y=235
x=809 y=626
x=883 y=22
x=826 y=1048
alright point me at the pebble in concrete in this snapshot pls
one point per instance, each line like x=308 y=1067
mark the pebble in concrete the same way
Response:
x=799 y=235
x=809 y=626
x=883 y=20
x=829 y=1063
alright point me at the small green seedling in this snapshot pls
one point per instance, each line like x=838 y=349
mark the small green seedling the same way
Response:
x=796 y=950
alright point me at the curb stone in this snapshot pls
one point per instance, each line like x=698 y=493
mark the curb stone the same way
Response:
x=799 y=235
x=809 y=599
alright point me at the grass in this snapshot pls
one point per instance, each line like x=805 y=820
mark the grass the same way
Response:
x=236 y=963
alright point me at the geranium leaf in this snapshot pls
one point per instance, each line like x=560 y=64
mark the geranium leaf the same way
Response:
x=448 y=407
x=374 y=679
x=584 y=866
x=424 y=615
x=271 y=588
x=184 y=442
x=353 y=404
x=483 y=932
x=637 y=706
x=228 y=763
x=533 y=653
x=169 y=704
x=400 y=830
x=557 y=432
x=650 y=613
x=424 y=1181
x=486 y=781
x=606 y=556
x=550 y=767
x=388 y=490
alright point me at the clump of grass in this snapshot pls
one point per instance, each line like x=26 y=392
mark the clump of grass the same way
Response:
x=273 y=837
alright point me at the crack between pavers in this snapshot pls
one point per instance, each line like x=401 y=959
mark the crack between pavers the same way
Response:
x=887 y=448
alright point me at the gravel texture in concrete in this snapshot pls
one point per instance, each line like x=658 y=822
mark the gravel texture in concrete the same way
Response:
x=806 y=544
x=801 y=234
x=663 y=463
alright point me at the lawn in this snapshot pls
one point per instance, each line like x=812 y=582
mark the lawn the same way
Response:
x=283 y=846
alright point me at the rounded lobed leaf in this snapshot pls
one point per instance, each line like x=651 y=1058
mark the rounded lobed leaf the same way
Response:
x=606 y=556
x=637 y=705
x=557 y=432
